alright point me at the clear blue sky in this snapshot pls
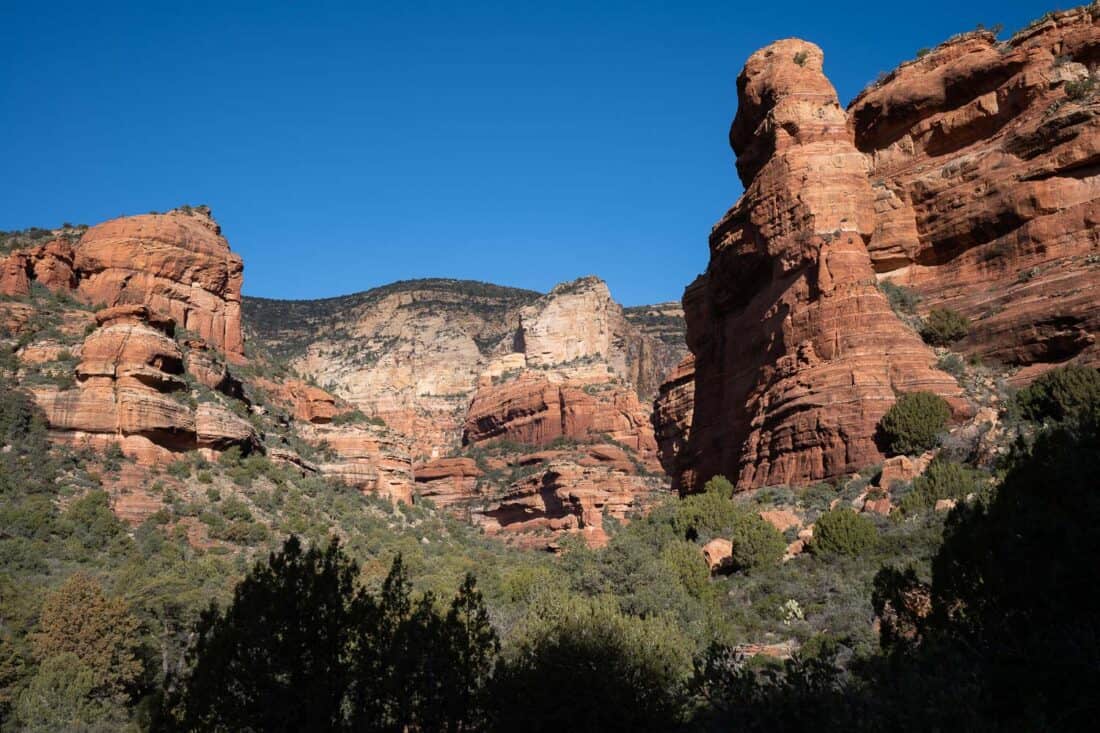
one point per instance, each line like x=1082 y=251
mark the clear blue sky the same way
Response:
x=344 y=146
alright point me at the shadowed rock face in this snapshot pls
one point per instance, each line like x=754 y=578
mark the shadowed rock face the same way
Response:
x=986 y=180
x=797 y=353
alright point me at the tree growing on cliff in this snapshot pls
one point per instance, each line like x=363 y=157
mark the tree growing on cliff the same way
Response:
x=944 y=326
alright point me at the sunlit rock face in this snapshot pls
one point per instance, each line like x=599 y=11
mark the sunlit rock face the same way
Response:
x=797 y=354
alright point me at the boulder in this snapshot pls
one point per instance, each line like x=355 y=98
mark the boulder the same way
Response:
x=719 y=554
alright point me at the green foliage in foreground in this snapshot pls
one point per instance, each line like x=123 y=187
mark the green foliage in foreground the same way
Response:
x=913 y=424
x=652 y=631
x=1065 y=392
x=302 y=647
x=1008 y=639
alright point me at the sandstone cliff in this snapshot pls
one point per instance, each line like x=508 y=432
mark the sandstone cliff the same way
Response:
x=967 y=175
x=797 y=352
x=161 y=372
x=983 y=159
x=469 y=368
x=412 y=353
x=176 y=263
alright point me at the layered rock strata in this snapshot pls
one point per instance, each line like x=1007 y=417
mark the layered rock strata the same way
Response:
x=130 y=391
x=984 y=159
x=414 y=354
x=177 y=263
x=797 y=353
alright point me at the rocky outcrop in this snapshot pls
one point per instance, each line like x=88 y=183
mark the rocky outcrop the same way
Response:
x=672 y=414
x=797 y=353
x=565 y=496
x=177 y=264
x=413 y=354
x=536 y=410
x=578 y=323
x=14 y=280
x=448 y=481
x=130 y=391
x=718 y=554
x=370 y=458
x=984 y=159
x=304 y=401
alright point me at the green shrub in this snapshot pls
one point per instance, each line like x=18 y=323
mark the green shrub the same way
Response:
x=944 y=326
x=685 y=562
x=179 y=469
x=756 y=543
x=913 y=424
x=1080 y=89
x=843 y=532
x=902 y=300
x=719 y=484
x=704 y=515
x=1066 y=392
x=942 y=480
x=952 y=364
x=234 y=509
x=800 y=58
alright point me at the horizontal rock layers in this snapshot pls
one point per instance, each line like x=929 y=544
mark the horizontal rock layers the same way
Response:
x=797 y=354
x=177 y=263
x=129 y=390
x=984 y=159
x=413 y=354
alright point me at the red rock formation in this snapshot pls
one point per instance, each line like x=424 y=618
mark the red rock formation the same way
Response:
x=448 y=481
x=535 y=410
x=566 y=497
x=986 y=180
x=130 y=391
x=306 y=402
x=373 y=459
x=797 y=353
x=672 y=414
x=177 y=263
x=14 y=281
x=718 y=554
x=781 y=519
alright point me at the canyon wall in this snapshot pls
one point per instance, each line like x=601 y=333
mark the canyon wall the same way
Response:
x=968 y=176
x=128 y=334
x=413 y=354
x=527 y=414
x=984 y=160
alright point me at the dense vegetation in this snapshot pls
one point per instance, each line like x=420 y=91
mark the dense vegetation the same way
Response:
x=1059 y=394
x=106 y=626
x=997 y=637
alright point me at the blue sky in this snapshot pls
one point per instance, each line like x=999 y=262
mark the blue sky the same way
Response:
x=344 y=146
